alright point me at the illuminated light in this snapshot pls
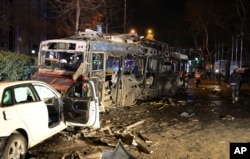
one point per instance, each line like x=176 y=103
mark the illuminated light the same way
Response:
x=99 y=29
x=33 y=51
x=150 y=35
x=132 y=31
x=63 y=61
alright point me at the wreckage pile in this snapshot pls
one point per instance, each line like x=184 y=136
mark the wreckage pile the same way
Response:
x=130 y=127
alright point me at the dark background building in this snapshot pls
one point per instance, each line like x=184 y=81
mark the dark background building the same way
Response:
x=23 y=25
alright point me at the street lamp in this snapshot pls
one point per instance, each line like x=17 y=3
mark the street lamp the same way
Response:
x=239 y=37
x=150 y=34
x=125 y=16
x=132 y=31
x=241 y=47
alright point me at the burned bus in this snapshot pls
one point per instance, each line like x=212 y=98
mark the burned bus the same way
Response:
x=124 y=67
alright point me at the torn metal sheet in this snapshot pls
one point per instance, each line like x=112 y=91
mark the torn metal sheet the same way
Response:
x=119 y=153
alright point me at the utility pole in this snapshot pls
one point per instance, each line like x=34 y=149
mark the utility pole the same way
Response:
x=236 y=48
x=78 y=12
x=218 y=49
x=232 y=56
x=222 y=50
x=241 y=47
x=125 y=16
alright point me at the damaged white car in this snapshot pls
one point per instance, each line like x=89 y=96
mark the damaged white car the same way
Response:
x=33 y=111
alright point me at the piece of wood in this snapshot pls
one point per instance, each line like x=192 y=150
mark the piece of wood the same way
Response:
x=144 y=138
x=135 y=124
x=162 y=107
x=142 y=147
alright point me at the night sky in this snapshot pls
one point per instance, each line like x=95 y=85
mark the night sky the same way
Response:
x=162 y=16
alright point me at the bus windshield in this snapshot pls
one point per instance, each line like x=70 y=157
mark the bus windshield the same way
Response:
x=61 y=60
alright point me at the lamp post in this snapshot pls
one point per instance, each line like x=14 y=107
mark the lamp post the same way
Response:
x=150 y=34
x=222 y=51
x=132 y=31
x=236 y=49
x=239 y=37
x=241 y=47
x=125 y=16
x=232 y=56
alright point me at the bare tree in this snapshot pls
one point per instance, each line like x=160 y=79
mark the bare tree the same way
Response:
x=199 y=16
x=110 y=10
x=241 y=6
x=22 y=25
x=90 y=13
x=76 y=14
x=211 y=22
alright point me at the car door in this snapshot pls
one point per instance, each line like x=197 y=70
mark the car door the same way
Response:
x=30 y=110
x=81 y=105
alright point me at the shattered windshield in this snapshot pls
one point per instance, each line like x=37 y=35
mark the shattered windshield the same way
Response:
x=61 y=60
x=114 y=62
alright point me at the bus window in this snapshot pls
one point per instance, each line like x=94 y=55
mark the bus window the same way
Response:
x=97 y=61
x=62 y=60
x=129 y=63
x=152 y=64
x=112 y=63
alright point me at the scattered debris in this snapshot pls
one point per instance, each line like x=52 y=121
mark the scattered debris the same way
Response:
x=171 y=101
x=142 y=130
x=187 y=115
x=162 y=107
x=73 y=155
x=141 y=146
x=93 y=156
x=145 y=139
x=194 y=120
x=107 y=128
x=119 y=153
x=227 y=117
x=134 y=125
x=182 y=103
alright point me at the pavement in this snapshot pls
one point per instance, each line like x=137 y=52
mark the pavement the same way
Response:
x=214 y=85
x=210 y=84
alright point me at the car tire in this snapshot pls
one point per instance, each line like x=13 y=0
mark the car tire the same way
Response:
x=15 y=147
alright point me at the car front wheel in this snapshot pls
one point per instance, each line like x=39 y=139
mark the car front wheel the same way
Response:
x=15 y=147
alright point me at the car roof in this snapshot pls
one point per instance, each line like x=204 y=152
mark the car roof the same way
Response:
x=13 y=83
x=4 y=85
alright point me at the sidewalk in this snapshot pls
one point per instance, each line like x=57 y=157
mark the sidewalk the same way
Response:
x=213 y=85
x=207 y=84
